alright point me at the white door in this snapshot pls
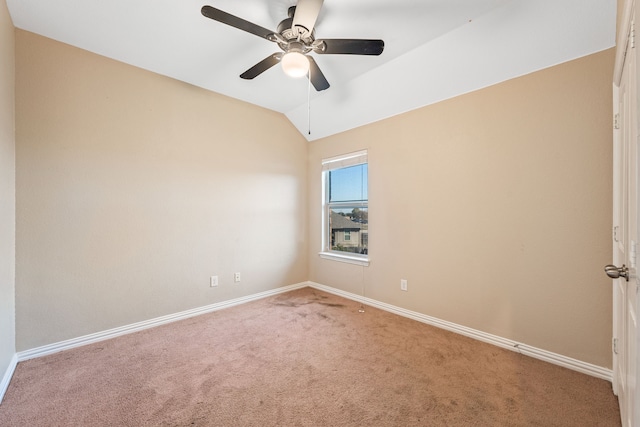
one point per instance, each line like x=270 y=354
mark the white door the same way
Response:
x=625 y=236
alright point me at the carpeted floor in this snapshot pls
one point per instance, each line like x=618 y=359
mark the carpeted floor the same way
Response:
x=304 y=358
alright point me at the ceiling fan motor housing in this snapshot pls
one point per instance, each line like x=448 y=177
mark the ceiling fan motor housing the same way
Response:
x=295 y=46
x=285 y=29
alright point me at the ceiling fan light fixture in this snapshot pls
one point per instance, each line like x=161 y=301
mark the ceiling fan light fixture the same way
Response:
x=295 y=64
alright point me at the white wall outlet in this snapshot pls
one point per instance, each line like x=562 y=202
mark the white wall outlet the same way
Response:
x=214 y=281
x=236 y=277
x=403 y=284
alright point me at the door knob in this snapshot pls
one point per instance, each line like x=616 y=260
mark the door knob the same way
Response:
x=616 y=272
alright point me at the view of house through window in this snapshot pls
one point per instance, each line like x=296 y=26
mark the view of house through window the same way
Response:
x=346 y=204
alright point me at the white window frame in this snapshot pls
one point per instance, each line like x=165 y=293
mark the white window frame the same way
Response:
x=339 y=162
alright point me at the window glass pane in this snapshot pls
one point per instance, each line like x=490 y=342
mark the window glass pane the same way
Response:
x=348 y=184
x=349 y=230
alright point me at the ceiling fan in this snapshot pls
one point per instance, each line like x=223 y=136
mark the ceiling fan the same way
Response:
x=295 y=35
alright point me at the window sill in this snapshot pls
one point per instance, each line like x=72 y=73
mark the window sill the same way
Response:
x=345 y=258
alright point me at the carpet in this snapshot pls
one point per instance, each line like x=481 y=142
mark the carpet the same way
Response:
x=303 y=358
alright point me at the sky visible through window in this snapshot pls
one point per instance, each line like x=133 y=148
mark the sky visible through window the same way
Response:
x=349 y=184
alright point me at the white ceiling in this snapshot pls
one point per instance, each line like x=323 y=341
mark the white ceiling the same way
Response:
x=434 y=49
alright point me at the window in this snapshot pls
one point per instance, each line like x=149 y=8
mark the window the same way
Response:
x=346 y=208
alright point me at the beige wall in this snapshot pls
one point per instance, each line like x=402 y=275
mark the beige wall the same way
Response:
x=620 y=12
x=496 y=206
x=133 y=189
x=7 y=190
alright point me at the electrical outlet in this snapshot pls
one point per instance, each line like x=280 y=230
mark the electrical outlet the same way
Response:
x=403 y=284
x=236 y=277
x=214 y=281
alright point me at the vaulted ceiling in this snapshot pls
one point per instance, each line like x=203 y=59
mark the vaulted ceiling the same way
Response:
x=434 y=49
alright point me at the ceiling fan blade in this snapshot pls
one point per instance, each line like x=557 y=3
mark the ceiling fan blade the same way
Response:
x=305 y=17
x=318 y=80
x=262 y=66
x=349 y=46
x=234 y=21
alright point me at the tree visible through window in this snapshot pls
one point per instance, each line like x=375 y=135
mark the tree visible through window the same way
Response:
x=346 y=204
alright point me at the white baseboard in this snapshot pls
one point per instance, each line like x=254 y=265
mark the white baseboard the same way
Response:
x=139 y=326
x=537 y=353
x=6 y=379
x=547 y=356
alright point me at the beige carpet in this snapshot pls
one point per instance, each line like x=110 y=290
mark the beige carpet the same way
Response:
x=305 y=358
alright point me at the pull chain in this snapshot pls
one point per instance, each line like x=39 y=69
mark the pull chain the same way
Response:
x=309 y=103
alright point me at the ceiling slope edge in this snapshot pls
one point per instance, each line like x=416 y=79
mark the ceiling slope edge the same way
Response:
x=543 y=34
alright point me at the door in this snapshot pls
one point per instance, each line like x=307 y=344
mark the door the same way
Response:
x=625 y=238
